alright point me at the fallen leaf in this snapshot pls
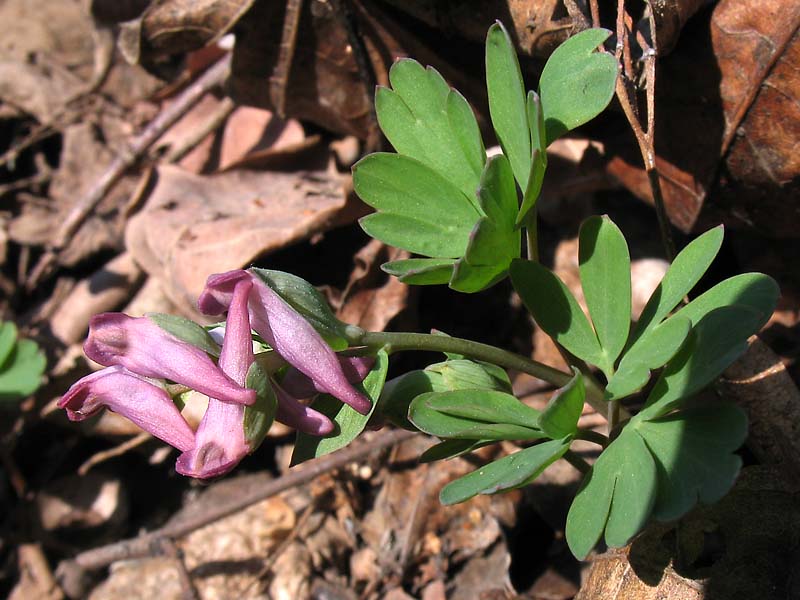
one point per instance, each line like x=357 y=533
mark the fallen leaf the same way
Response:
x=193 y=226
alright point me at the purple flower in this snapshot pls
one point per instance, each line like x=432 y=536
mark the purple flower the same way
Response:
x=220 y=442
x=295 y=414
x=144 y=348
x=287 y=332
x=133 y=396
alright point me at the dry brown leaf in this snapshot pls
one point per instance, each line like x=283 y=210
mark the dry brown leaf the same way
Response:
x=193 y=226
x=371 y=298
x=727 y=112
x=760 y=384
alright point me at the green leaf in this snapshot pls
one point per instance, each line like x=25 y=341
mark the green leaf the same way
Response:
x=605 y=269
x=258 y=417
x=426 y=120
x=652 y=351
x=486 y=406
x=8 y=335
x=693 y=450
x=577 y=82
x=451 y=449
x=538 y=157
x=509 y=472
x=21 y=371
x=419 y=209
x=757 y=291
x=494 y=241
x=308 y=301
x=474 y=414
x=187 y=331
x=507 y=101
x=560 y=417
x=398 y=393
x=421 y=271
x=684 y=273
x=616 y=496
x=555 y=309
x=717 y=339
x=349 y=423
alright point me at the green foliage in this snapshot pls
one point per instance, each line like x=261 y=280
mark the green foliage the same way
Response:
x=22 y=365
x=186 y=330
x=616 y=496
x=348 y=422
x=506 y=92
x=494 y=241
x=510 y=472
x=474 y=415
x=426 y=120
x=560 y=417
x=555 y=310
x=577 y=82
x=308 y=301
x=605 y=270
x=454 y=374
x=438 y=196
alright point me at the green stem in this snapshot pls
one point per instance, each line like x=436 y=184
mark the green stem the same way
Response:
x=577 y=462
x=592 y=436
x=532 y=235
x=613 y=415
x=399 y=341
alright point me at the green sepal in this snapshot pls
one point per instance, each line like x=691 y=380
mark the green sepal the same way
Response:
x=186 y=331
x=308 y=302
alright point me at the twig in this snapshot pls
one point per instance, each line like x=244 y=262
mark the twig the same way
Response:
x=118 y=450
x=212 y=78
x=147 y=544
x=595 y=11
x=214 y=122
x=279 y=81
x=188 y=591
x=626 y=94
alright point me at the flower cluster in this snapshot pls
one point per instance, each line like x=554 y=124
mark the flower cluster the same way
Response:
x=139 y=356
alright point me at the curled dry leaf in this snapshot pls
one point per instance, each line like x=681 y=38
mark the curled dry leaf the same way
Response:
x=193 y=226
x=371 y=298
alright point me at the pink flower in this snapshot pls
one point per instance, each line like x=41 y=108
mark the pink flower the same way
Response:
x=220 y=442
x=287 y=332
x=144 y=348
x=133 y=396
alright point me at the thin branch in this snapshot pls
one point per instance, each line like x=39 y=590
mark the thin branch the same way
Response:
x=626 y=94
x=212 y=78
x=149 y=543
x=595 y=11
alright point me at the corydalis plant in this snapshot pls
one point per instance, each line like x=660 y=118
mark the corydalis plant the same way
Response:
x=440 y=197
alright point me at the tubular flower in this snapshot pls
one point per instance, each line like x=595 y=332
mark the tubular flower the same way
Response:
x=142 y=347
x=134 y=397
x=295 y=414
x=287 y=332
x=220 y=442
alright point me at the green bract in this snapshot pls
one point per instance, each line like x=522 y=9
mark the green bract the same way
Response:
x=349 y=423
